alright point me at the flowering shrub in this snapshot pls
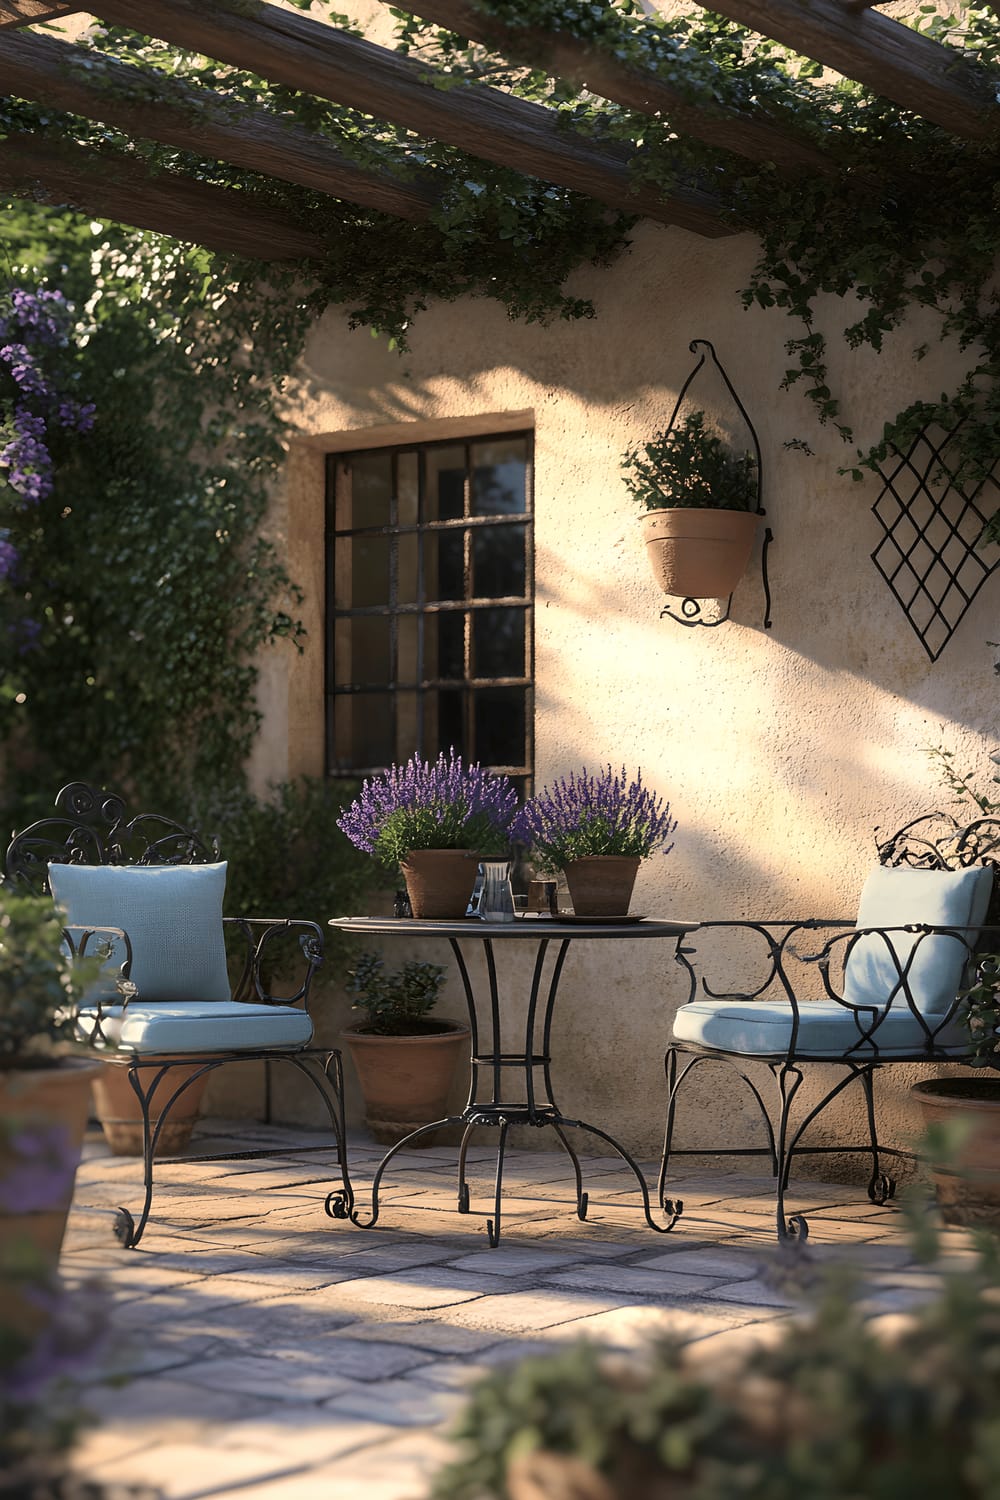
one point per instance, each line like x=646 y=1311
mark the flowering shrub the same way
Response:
x=447 y=805
x=580 y=815
x=36 y=400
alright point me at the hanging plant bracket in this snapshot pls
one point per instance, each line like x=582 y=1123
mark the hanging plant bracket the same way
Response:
x=691 y=611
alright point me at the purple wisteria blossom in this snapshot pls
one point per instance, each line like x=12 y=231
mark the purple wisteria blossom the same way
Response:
x=8 y=556
x=34 y=326
x=581 y=815
x=419 y=805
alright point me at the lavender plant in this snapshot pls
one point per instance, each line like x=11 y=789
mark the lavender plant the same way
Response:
x=447 y=805
x=582 y=815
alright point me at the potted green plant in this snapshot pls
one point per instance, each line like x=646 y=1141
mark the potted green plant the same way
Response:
x=597 y=830
x=700 y=498
x=964 y=1109
x=433 y=821
x=404 y=1058
x=44 y=1087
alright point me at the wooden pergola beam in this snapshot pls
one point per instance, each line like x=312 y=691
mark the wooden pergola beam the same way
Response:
x=112 y=185
x=562 y=55
x=287 y=47
x=31 y=12
x=915 y=71
x=194 y=119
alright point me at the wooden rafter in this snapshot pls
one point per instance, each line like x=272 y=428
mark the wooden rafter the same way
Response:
x=915 y=71
x=195 y=119
x=562 y=55
x=113 y=185
x=31 y=12
x=289 y=48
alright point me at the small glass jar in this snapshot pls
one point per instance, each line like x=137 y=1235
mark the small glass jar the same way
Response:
x=496 y=901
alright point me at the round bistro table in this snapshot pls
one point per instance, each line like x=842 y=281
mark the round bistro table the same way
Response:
x=511 y=1088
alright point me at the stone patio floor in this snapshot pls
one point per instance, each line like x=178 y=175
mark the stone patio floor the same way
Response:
x=262 y=1350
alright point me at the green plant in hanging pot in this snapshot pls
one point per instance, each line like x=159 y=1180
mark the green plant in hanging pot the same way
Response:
x=700 y=498
x=405 y=1059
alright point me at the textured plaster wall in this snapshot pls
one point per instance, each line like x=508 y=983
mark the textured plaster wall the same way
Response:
x=780 y=750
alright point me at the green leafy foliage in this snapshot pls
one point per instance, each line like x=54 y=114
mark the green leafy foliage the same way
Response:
x=835 y=1407
x=40 y=982
x=690 y=465
x=395 y=1004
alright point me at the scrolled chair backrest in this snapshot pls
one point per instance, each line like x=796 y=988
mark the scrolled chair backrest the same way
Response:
x=92 y=827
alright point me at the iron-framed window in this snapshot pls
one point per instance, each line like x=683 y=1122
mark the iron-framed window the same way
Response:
x=430 y=586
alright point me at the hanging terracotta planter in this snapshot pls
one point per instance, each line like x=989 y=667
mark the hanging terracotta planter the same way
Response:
x=601 y=885
x=406 y=1080
x=439 y=882
x=699 y=554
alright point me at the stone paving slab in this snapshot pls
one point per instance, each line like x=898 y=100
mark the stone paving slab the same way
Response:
x=270 y=1352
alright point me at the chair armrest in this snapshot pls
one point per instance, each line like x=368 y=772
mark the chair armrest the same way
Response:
x=81 y=939
x=771 y=944
x=266 y=961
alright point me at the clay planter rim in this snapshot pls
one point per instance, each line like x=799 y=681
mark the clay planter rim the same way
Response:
x=968 y=1093
x=443 y=1031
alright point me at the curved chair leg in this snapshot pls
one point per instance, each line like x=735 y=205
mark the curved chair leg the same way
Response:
x=127 y=1230
x=582 y=1198
x=674 y=1081
x=788 y=1078
x=881 y=1187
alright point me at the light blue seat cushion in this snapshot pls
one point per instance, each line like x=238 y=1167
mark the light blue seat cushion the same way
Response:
x=172 y=914
x=896 y=898
x=200 y=1026
x=759 y=1028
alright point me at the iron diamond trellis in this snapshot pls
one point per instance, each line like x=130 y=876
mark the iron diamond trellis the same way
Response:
x=929 y=554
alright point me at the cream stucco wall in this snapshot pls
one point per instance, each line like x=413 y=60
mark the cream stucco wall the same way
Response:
x=780 y=750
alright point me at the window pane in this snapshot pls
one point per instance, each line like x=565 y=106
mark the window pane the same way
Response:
x=362 y=729
x=450 y=630
x=498 y=643
x=407 y=489
x=444 y=497
x=362 y=571
x=443 y=721
x=407 y=725
x=499 y=720
x=499 y=476
x=371 y=489
x=407 y=553
x=363 y=651
x=498 y=569
x=407 y=642
x=444 y=566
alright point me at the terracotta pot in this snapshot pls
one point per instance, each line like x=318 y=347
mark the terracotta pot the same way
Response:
x=120 y=1114
x=43 y=1116
x=439 y=882
x=968 y=1188
x=406 y=1080
x=601 y=884
x=699 y=554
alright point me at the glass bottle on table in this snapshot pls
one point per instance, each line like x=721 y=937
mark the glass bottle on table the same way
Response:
x=496 y=901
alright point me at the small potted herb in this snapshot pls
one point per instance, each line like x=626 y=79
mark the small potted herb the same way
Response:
x=404 y=1058
x=700 y=498
x=433 y=821
x=597 y=829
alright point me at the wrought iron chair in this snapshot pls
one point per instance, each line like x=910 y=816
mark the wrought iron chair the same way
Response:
x=859 y=996
x=168 y=1002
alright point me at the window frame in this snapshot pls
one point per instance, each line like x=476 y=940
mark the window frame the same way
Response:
x=470 y=683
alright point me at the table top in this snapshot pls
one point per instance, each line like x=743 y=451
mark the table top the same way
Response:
x=536 y=927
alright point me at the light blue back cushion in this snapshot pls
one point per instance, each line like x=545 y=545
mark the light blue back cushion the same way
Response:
x=896 y=898
x=172 y=914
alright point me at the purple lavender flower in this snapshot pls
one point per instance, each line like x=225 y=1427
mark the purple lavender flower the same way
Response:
x=42 y=1163
x=447 y=805
x=8 y=557
x=581 y=815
